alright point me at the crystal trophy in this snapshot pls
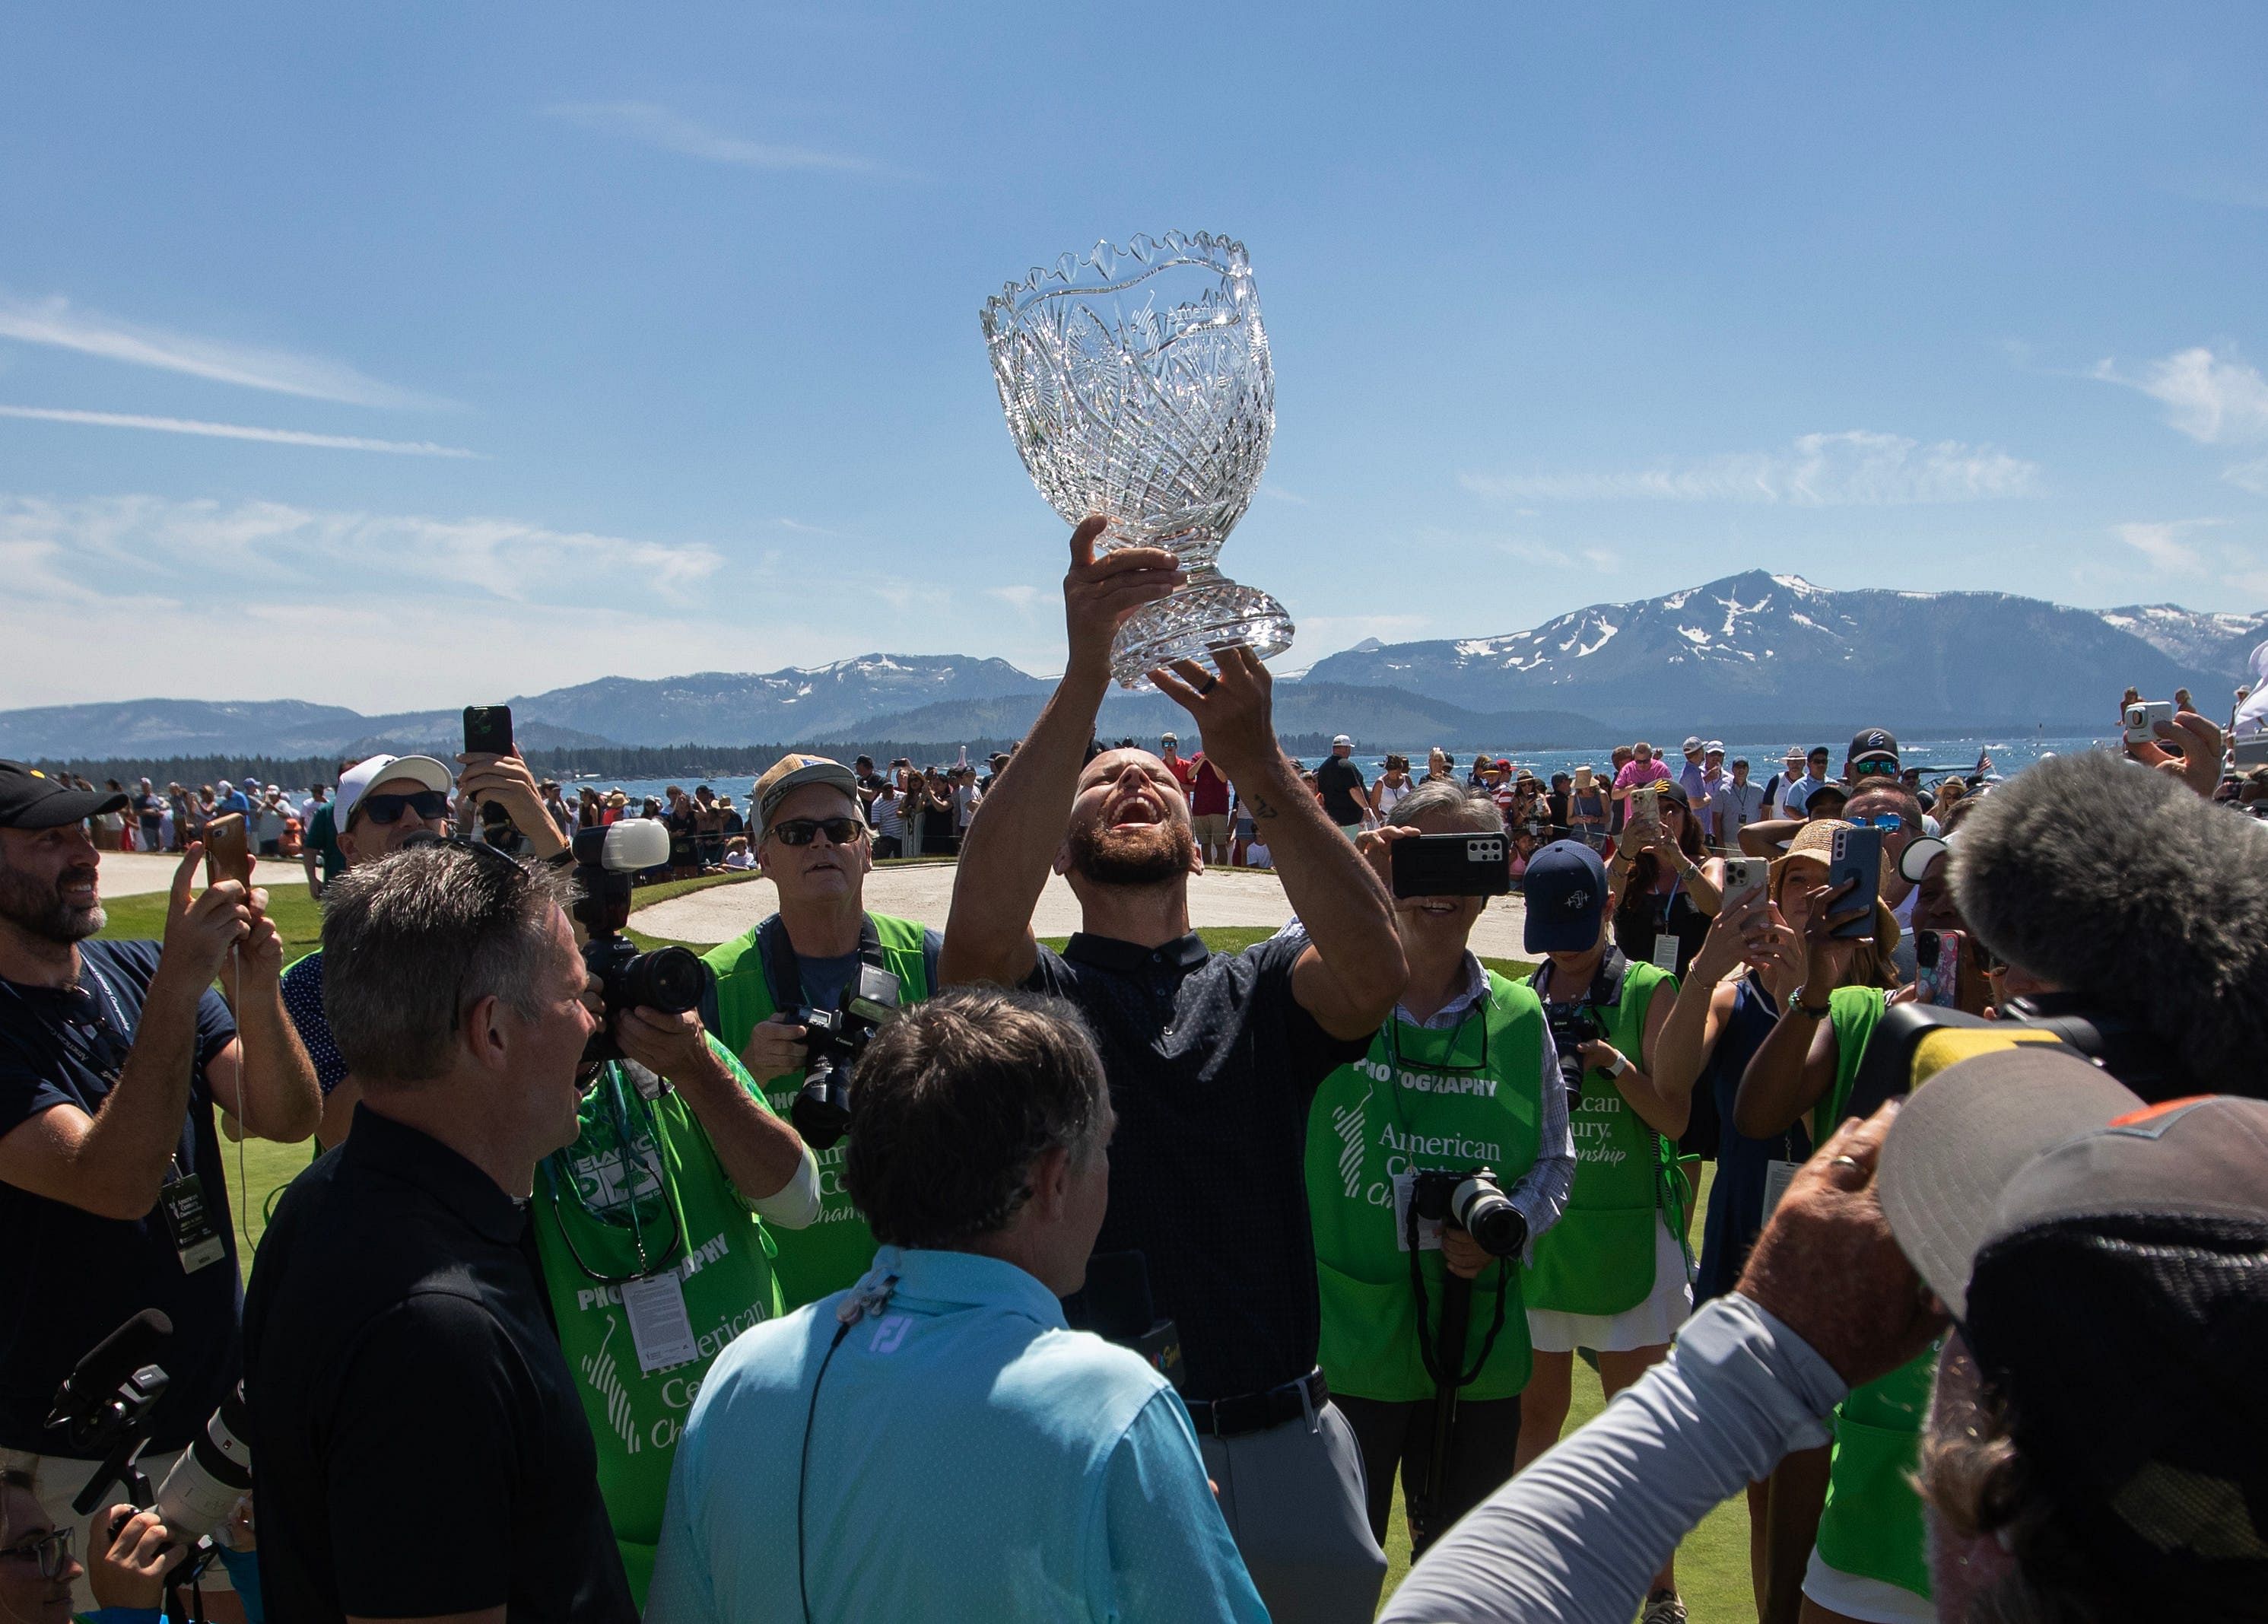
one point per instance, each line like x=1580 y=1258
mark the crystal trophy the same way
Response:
x=1136 y=384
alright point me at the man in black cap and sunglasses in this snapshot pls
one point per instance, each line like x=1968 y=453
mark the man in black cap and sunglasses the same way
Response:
x=812 y=841
x=113 y=1056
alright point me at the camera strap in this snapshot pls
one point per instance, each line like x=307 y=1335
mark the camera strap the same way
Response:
x=1606 y=988
x=783 y=973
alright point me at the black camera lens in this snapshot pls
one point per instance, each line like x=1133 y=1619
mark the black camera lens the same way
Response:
x=667 y=979
x=1489 y=1216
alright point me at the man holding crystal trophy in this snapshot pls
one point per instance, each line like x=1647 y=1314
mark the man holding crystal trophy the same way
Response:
x=1138 y=388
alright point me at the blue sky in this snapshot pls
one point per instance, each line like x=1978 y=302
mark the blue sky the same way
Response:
x=407 y=357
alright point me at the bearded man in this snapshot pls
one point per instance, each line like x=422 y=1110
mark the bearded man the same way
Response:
x=1213 y=1059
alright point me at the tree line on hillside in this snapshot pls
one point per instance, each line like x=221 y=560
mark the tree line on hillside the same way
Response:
x=691 y=762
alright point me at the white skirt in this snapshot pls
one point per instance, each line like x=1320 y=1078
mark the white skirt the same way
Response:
x=1876 y=1601
x=1651 y=1324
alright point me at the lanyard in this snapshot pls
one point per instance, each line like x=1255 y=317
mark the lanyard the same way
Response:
x=618 y=1117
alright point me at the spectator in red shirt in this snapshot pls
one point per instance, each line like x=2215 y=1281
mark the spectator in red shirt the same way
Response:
x=1208 y=791
x=1183 y=767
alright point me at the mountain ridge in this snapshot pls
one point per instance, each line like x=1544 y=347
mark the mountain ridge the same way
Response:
x=1755 y=652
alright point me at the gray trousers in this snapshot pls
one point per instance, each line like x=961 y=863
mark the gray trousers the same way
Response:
x=1294 y=1499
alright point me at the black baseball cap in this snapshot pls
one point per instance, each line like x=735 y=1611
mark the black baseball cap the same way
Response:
x=1873 y=744
x=1565 y=889
x=29 y=799
x=2107 y=1261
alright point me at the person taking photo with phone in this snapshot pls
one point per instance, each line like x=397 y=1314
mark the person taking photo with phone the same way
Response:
x=1612 y=1276
x=1663 y=884
x=115 y=1056
x=1463 y=1076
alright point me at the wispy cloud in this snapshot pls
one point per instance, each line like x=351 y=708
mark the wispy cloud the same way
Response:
x=2161 y=544
x=657 y=126
x=1599 y=560
x=58 y=324
x=234 y=431
x=1854 y=468
x=2211 y=397
x=1023 y=600
x=170 y=546
x=2251 y=477
x=1276 y=492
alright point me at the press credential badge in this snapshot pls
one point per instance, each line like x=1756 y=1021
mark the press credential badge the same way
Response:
x=190 y=1220
x=661 y=1331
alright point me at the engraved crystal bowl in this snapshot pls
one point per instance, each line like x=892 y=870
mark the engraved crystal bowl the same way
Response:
x=1136 y=384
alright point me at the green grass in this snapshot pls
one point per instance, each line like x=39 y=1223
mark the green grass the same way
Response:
x=1712 y=1565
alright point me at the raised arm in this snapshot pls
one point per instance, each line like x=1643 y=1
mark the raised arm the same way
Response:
x=1704 y=1001
x=1794 y=1067
x=1352 y=970
x=1007 y=854
x=113 y=1163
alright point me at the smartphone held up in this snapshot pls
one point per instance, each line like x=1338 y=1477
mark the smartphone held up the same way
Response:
x=228 y=850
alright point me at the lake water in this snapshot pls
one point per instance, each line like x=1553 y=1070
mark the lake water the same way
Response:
x=1937 y=757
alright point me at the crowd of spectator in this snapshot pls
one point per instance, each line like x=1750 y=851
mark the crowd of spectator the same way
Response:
x=1144 y=1273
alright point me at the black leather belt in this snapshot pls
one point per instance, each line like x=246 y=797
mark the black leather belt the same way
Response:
x=1257 y=1412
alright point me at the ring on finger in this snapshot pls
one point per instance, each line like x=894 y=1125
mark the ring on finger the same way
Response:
x=1207 y=685
x=1850 y=1161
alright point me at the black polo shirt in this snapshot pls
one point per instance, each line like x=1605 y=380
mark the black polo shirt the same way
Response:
x=418 y=1446
x=1213 y=1065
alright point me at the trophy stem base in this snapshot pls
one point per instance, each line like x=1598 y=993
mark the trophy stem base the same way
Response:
x=1212 y=612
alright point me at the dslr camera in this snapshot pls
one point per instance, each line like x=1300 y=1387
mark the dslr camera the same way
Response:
x=834 y=1039
x=1573 y=1025
x=667 y=979
x=1474 y=1202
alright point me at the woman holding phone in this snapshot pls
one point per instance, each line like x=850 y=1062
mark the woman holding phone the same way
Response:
x=1662 y=884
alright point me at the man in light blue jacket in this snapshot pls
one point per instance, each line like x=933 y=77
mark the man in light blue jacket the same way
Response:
x=933 y=1442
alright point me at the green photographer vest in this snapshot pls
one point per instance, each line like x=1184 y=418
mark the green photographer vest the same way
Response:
x=837 y=1249
x=651 y=1161
x=1872 y=1523
x=1599 y=1258
x=1431 y=1101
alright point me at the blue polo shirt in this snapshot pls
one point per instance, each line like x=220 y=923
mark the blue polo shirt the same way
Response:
x=970 y=1458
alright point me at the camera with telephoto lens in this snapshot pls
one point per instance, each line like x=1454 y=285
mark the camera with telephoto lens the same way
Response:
x=1476 y=1204
x=1573 y=1025
x=670 y=980
x=106 y=1406
x=834 y=1039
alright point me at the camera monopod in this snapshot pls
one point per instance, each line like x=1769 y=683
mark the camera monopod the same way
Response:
x=1440 y=1354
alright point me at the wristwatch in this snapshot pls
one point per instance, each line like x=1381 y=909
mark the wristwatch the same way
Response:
x=1795 y=1002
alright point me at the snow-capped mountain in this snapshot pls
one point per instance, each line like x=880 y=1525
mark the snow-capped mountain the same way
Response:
x=1758 y=649
x=2211 y=643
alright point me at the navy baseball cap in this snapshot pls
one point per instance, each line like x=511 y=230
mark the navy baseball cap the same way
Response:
x=1566 y=889
x=29 y=799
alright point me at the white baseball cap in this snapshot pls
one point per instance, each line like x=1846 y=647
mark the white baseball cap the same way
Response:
x=356 y=780
x=1342 y=739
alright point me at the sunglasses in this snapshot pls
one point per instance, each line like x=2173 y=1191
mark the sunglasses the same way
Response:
x=428 y=804
x=802 y=831
x=1874 y=769
x=52 y=1551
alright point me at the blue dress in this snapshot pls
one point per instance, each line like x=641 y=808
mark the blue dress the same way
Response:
x=1736 y=1199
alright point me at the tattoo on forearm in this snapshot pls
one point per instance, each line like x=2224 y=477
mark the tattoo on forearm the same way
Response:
x=1259 y=808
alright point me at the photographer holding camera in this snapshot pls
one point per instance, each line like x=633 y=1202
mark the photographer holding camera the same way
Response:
x=820 y=954
x=654 y=1227
x=419 y=1444
x=1460 y=1084
x=113 y=1055
x=1612 y=1276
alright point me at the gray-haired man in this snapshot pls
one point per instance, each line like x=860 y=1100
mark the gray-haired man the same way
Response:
x=391 y=1306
